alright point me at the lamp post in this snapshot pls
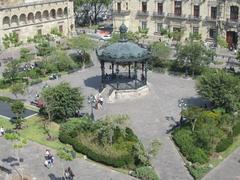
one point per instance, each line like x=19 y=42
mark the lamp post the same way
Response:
x=91 y=101
x=182 y=105
x=186 y=62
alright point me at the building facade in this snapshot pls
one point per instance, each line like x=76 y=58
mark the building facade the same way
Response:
x=32 y=17
x=210 y=18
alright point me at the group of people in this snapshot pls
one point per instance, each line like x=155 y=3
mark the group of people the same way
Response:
x=68 y=174
x=49 y=159
x=2 y=131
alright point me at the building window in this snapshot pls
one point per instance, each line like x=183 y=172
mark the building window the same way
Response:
x=178 y=8
x=212 y=33
x=159 y=27
x=160 y=8
x=39 y=32
x=196 y=11
x=144 y=25
x=214 y=12
x=195 y=30
x=233 y=13
x=126 y=6
x=118 y=6
x=144 y=6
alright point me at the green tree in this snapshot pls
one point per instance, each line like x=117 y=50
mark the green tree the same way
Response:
x=18 y=88
x=95 y=6
x=194 y=56
x=11 y=71
x=160 y=54
x=220 y=88
x=44 y=48
x=18 y=109
x=61 y=101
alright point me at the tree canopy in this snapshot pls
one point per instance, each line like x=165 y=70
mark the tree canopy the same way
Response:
x=220 y=88
x=62 y=101
x=194 y=55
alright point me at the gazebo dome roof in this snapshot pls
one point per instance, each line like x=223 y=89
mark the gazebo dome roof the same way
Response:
x=123 y=51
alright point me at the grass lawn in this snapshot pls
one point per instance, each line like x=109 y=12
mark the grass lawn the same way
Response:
x=200 y=171
x=5 y=123
x=34 y=131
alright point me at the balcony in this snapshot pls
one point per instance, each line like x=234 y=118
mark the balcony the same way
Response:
x=142 y=13
x=194 y=18
x=210 y=19
x=158 y=14
x=176 y=16
x=121 y=12
x=232 y=22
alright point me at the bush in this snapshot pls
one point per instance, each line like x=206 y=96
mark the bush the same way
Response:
x=35 y=81
x=221 y=41
x=224 y=144
x=11 y=136
x=66 y=153
x=184 y=139
x=236 y=129
x=145 y=173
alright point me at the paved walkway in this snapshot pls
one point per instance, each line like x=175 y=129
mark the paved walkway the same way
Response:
x=229 y=169
x=33 y=160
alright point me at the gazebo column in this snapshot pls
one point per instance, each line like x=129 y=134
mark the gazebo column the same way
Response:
x=135 y=74
x=117 y=73
x=145 y=79
x=129 y=70
x=103 y=73
x=112 y=69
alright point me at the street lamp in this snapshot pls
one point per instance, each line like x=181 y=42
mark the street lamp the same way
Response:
x=91 y=101
x=182 y=105
x=186 y=62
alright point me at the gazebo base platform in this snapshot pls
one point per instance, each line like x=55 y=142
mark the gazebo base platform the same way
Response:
x=129 y=94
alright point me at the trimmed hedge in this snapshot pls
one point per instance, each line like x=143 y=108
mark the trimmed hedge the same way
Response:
x=184 y=140
x=236 y=129
x=145 y=173
x=224 y=144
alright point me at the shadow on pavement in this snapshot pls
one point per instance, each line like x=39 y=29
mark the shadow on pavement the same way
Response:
x=93 y=82
x=53 y=177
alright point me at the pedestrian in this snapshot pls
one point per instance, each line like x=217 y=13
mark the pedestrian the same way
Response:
x=101 y=100
x=66 y=174
x=71 y=175
x=2 y=131
x=47 y=163
x=47 y=154
x=52 y=159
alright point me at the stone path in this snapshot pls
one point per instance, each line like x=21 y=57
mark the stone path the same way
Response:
x=229 y=169
x=33 y=160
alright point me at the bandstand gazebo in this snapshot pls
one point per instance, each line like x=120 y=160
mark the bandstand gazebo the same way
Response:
x=124 y=59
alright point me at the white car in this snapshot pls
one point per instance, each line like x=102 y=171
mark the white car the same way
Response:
x=106 y=37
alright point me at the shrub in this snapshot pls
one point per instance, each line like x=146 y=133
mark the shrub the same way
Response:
x=35 y=81
x=66 y=153
x=236 y=129
x=221 y=41
x=184 y=139
x=145 y=173
x=224 y=144
x=11 y=136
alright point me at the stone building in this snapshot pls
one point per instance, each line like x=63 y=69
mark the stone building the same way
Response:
x=31 y=17
x=210 y=18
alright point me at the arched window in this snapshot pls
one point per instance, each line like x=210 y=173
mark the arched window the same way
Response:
x=23 y=19
x=53 y=14
x=14 y=20
x=60 y=12
x=6 y=22
x=30 y=18
x=38 y=16
x=45 y=15
x=65 y=11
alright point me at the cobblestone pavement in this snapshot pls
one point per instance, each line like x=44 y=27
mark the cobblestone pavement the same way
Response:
x=151 y=116
x=229 y=169
x=33 y=160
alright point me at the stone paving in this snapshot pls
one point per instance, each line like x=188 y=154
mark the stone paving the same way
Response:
x=33 y=165
x=229 y=169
